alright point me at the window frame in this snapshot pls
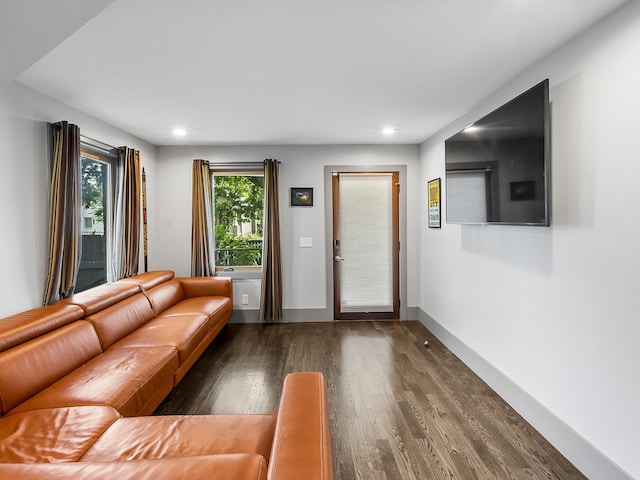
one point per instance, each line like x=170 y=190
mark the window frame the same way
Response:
x=109 y=157
x=228 y=170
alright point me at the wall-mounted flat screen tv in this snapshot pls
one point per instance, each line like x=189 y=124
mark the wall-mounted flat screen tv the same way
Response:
x=498 y=168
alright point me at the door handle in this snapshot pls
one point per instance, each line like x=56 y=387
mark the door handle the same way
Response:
x=338 y=258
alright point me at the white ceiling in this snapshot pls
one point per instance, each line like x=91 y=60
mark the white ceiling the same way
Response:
x=29 y=29
x=285 y=71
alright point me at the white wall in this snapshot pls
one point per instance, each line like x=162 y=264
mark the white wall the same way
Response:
x=24 y=188
x=556 y=311
x=304 y=269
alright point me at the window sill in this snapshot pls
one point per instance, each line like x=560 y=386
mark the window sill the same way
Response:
x=240 y=273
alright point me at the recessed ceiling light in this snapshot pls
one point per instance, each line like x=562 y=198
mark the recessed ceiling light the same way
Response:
x=179 y=132
x=388 y=131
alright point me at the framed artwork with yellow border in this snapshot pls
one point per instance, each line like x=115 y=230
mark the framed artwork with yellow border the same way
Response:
x=434 y=203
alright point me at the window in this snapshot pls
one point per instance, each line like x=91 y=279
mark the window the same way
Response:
x=238 y=204
x=96 y=201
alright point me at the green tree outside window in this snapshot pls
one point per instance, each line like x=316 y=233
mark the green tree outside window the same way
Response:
x=238 y=210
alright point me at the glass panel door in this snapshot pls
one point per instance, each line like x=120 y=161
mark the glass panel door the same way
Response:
x=366 y=245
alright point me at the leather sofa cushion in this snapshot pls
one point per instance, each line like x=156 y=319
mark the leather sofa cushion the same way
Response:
x=184 y=332
x=183 y=436
x=98 y=298
x=30 y=367
x=219 y=309
x=118 y=320
x=54 y=434
x=28 y=325
x=165 y=295
x=237 y=466
x=126 y=379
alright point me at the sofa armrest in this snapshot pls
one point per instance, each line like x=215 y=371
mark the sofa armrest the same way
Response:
x=207 y=287
x=238 y=466
x=302 y=442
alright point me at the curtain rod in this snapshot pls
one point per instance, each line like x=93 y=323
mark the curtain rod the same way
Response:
x=235 y=166
x=238 y=164
x=96 y=143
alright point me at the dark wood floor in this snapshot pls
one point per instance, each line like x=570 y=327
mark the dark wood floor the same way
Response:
x=398 y=411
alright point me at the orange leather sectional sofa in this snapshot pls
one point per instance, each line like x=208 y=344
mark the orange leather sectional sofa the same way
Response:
x=79 y=378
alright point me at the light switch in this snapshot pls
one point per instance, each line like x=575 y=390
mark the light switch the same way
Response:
x=306 y=242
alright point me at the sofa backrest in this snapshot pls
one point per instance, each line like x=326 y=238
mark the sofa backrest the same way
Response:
x=102 y=296
x=120 y=319
x=25 y=326
x=165 y=295
x=148 y=280
x=30 y=367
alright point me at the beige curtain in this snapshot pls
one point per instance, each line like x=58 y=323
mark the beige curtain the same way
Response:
x=126 y=231
x=271 y=297
x=202 y=248
x=64 y=212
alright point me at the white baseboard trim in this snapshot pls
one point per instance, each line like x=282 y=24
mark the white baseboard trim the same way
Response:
x=587 y=458
x=305 y=315
x=244 y=316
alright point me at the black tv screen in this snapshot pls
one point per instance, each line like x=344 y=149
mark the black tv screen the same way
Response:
x=498 y=168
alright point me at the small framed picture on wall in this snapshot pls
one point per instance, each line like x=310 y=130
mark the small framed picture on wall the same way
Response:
x=434 y=203
x=301 y=197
